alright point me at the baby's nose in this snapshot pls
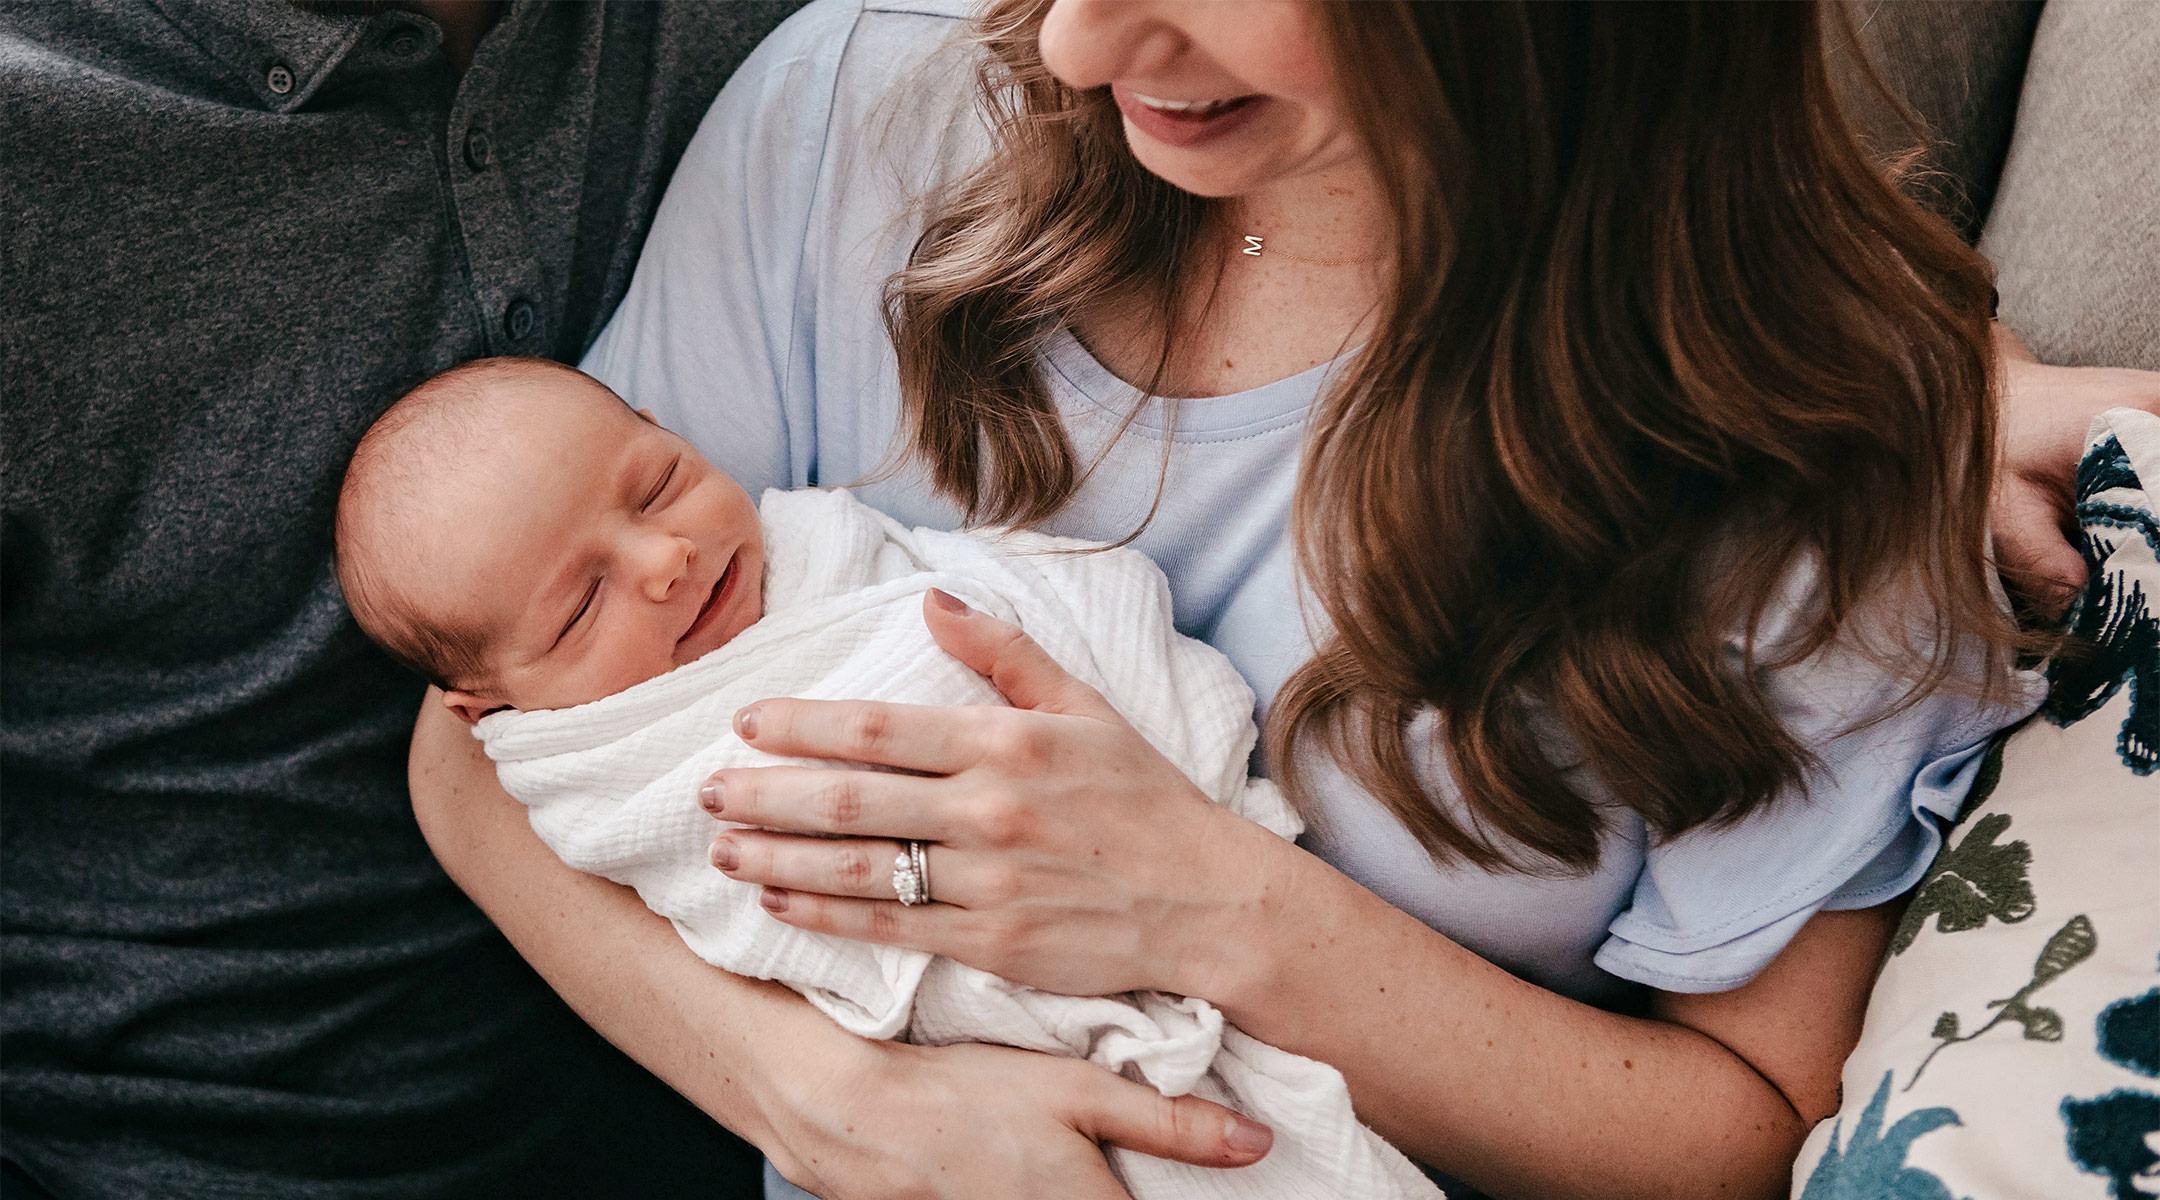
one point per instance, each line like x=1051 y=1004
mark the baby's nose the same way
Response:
x=671 y=560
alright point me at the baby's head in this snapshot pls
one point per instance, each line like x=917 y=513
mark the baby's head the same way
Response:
x=511 y=530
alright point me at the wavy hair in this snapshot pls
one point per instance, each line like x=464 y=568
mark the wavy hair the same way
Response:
x=1657 y=330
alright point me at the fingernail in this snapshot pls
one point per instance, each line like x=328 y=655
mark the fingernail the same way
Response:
x=1248 y=1137
x=746 y=723
x=775 y=900
x=708 y=797
x=949 y=602
x=724 y=854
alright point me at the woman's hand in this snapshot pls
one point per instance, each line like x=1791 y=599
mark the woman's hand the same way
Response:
x=886 y=1120
x=2045 y=411
x=1066 y=852
x=849 y=1117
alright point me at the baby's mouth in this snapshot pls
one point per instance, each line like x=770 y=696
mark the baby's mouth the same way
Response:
x=714 y=602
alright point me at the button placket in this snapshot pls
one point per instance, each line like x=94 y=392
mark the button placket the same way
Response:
x=513 y=300
x=507 y=284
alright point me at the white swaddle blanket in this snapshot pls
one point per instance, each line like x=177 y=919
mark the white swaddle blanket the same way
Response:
x=612 y=790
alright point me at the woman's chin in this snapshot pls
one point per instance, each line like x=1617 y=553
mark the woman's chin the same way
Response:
x=1208 y=173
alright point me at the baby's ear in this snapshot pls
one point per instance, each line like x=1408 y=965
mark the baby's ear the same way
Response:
x=468 y=707
x=649 y=418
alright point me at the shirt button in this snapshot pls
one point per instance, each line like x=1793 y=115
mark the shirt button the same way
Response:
x=519 y=319
x=279 y=79
x=404 y=42
x=477 y=150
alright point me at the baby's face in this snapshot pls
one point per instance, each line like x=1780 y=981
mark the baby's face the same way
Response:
x=594 y=550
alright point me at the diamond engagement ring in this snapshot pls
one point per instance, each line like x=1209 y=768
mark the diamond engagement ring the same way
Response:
x=911 y=875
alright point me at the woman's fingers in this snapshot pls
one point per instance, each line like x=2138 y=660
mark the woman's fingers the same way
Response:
x=1023 y=672
x=2037 y=562
x=929 y=927
x=913 y=737
x=859 y=867
x=833 y=800
x=1112 y=1109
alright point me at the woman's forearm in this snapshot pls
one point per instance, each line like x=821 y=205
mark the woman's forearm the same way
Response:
x=1510 y=1086
x=620 y=966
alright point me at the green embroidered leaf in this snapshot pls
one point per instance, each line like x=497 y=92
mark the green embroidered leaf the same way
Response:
x=1970 y=882
x=2071 y=945
x=2041 y=1024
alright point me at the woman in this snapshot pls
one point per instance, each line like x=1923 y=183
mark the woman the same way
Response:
x=1596 y=614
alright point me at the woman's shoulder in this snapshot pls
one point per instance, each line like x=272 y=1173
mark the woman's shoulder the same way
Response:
x=814 y=85
x=759 y=283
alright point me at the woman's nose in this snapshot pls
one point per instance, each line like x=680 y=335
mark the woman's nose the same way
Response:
x=1088 y=43
x=666 y=561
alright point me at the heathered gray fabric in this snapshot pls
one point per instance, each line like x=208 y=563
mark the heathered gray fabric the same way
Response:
x=2074 y=232
x=2049 y=119
x=233 y=232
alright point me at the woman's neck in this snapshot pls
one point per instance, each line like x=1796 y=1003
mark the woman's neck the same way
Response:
x=1246 y=319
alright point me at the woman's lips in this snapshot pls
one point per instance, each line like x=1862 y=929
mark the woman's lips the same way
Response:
x=715 y=604
x=1184 y=123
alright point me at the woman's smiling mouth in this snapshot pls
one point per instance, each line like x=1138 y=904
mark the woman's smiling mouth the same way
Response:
x=1183 y=122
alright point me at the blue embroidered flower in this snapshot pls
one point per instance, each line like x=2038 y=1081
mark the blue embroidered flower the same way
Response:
x=1871 y=1165
x=2113 y=1135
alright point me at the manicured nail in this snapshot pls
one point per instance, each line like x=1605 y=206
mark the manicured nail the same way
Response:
x=708 y=797
x=775 y=900
x=746 y=723
x=949 y=602
x=1247 y=1137
x=724 y=854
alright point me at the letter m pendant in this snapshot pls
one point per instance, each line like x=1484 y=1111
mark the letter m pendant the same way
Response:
x=1252 y=246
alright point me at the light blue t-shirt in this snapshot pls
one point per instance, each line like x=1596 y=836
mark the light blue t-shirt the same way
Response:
x=753 y=327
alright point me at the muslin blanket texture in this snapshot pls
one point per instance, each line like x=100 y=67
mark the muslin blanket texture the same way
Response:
x=612 y=787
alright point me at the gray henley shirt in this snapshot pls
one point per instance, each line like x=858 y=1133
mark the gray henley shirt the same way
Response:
x=234 y=231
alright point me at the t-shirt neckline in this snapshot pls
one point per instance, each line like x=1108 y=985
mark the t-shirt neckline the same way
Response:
x=1077 y=376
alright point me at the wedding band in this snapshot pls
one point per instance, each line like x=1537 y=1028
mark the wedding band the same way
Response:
x=920 y=852
x=909 y=885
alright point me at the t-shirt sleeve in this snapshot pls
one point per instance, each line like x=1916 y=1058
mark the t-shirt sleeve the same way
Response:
x=1714 y=906
x=707 y=335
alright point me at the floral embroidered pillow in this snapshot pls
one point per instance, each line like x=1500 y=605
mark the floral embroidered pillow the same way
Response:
x=2012 y=1045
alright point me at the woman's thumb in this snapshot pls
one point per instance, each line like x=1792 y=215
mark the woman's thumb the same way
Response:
x=1183 y=1128
x=1022 y=671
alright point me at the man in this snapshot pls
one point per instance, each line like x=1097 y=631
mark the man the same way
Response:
x=236 y=230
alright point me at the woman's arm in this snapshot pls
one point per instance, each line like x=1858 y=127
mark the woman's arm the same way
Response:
x=1526 y=1093
x=845 y=1116
x=1073 y=858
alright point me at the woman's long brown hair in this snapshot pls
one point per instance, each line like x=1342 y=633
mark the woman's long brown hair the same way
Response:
x=1659 y=333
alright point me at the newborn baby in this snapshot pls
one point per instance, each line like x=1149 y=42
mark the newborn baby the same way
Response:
x=511 y=531
x=599 y=601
